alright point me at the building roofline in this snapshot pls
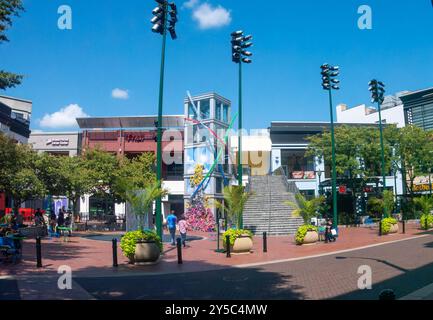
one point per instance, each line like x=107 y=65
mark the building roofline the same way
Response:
x=16 y=99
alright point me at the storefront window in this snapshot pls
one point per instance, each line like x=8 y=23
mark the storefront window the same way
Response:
x=296 y=165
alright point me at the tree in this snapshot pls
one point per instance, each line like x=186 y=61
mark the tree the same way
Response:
x=8 y=9
x=413 y=151
x=77 y=180
x=102 y=168
x=139 y=172
x=425 y=204
x=141 y=200
x=306 y=209
x=24 y=184
x=235 y=199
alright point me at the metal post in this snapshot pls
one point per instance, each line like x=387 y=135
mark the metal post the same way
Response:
x=265 y=242
x=404 y=226
x=382 y=149
x=158 y=217
x=380 y=227
x=38 y=252
x=228 y=246
x=334 y=169
x=179 y=251
x=240 y=171
x=115 y=252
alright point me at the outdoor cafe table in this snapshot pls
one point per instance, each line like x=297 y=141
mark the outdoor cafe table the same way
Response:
x=64 y=229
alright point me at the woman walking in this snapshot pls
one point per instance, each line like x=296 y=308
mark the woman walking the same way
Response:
x=183 y=229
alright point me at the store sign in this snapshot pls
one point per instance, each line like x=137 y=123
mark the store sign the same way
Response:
x=57 y=142
x=421 y=187
x=140 y=137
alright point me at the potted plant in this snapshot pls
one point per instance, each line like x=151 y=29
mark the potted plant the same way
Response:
x=307 y=209
x=389 y=226
x=141 y=247
x=306 y=234
x=241 y=240
x=425 y=204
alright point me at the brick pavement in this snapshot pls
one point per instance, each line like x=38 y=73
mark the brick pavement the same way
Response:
x=91 y=260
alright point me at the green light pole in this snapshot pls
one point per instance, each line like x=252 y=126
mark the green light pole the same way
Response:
x=377 y=93
x=159 y=22
x=329 y=83
x=239 y=55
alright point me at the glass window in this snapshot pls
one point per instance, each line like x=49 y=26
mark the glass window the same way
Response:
x=219 y=185
x=218 y=110
x=205 y=109
x=225 y=113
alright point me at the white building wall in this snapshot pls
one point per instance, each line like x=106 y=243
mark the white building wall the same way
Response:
x=364 y=114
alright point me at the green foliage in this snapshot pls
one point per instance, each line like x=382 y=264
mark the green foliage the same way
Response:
x=130 y=239
x=388 y=202
x=302 y=232
x=141 y=200
x=235 y=198
x=375 y=207
x=235 y=234
x=424 y=204
x=8 y=9
x=306 y=209
x=387 y=223
x=426 y=219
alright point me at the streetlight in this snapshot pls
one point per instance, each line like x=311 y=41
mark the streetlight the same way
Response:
x=330 y=83
x=159 y=21
x=377 y=89
x=240 y=55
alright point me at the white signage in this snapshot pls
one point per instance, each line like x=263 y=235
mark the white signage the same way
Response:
x=57 y=142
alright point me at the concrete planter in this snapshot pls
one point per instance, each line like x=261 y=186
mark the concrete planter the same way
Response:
x=394 y=228
x=311 y=237
x=242 y=245
x=146 y=252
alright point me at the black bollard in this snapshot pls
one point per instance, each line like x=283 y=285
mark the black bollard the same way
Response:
x=380 y=227
x=179 y=251
x=228 y=246
x=115 y=252
x=265 y=242
x=404 y=226
x=38 y=252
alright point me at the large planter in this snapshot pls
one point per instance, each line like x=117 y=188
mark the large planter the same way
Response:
x=311 y=237
x=394 y=228
x=242 y=245
x=146 y=252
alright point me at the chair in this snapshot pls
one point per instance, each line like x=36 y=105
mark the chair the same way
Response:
x=8 y=249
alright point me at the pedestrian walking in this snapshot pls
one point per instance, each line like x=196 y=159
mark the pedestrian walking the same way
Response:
x=171 y=224
x=183 y=229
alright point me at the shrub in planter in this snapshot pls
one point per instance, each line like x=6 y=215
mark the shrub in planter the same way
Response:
x=426 y=218
x=130 y=239
x=302 y=232
x=387 y=224
x=235 y=235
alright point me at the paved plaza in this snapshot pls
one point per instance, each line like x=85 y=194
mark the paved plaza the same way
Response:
x=402 y=262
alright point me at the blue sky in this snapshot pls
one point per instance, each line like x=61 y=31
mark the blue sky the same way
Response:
x=111 y=46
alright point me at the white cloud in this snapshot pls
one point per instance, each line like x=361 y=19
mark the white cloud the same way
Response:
x=120 y=94
x=211 y=17
x=64 y=118
x=190 y=4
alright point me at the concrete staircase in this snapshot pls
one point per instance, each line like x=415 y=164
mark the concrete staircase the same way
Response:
x=265 y=209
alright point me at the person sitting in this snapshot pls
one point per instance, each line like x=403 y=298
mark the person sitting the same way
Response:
x=329 y=237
